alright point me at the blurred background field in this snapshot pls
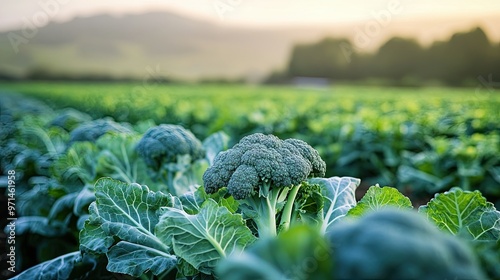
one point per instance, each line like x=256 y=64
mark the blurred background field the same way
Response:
x=395 y=92
x=420 y=140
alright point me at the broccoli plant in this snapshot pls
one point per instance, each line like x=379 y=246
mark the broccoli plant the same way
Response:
x=174 y=155
x=265 y=174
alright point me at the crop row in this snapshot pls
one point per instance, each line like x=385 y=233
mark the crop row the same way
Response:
x=421 y=141
x=98 y=198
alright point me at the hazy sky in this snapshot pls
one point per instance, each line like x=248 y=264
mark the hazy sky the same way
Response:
x=246 y=12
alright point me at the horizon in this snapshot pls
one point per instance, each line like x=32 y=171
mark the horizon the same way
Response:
x=266 y=42
x=448 y=24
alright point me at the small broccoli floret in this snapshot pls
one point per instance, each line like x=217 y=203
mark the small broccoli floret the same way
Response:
x=318 y=166
x=91 y=131
x=164 y=143
x=265 y=174
x=395 y=244
x=243 y=181
x=169 y=151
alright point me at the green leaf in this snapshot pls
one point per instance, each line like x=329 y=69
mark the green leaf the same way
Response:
x=192 y=201
x=464 y=213
x=60 y=268
x=83 y=200
x=77 y=164
x=63 y=207
x=214 y=144
x=488 y=253
x=30 y=204
x=93 y=237
x=299 y=253
x=188 y=176
x=39 y=225
x=135 y=259
x=119 y=160
x=339 y=196
x=130 y=213
x=377 y=197
x=203 y=239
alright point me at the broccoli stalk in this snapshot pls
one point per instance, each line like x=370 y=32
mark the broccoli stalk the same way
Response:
x=265 y=175
x=286 y=215
x=266 y=205
x=262 y=209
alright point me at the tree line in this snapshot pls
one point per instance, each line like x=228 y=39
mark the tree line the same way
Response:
x=464 y=60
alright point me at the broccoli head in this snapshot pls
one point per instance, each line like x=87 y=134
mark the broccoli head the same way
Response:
x=164 y=143
x=264 y=172
x=259 y=160
x=91 y=131
x=395 y=244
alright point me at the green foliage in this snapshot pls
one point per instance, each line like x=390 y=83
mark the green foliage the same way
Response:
x=464 y=213
x=91 y=131
x=397 y=244
x=377 y=198
x=300 y=253
x=206 y=237
x=69 y=119
x=130 y=213
x=214 y=144
x=339 y=196
x=59 y=268
x=421 y=147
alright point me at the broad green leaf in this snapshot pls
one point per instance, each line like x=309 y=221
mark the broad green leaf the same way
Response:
x=60 y=268
x=488 y=253
x=119 y=160
x=185 y=269
x=130 y=213
x=377 y=197
x=93 y=237
x=192 y=201
x=77 y=164
x=30 y=204
x=464 y=213
x=83 y=200
x=203 y=239
x=63 y=207
x=223 y=199
x=299 y=253
x=339 y=196
x=187 y=174
x=214 y=144
x=39 y=225
x=135 y=259
x=80 y=223
x=423 y=180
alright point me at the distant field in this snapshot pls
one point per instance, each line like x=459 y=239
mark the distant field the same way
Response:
x=422 y=141
x=434 y=138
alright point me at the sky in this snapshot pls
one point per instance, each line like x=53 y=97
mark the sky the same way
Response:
x=13 y=13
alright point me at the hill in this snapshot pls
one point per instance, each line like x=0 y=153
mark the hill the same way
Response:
x=168 y=45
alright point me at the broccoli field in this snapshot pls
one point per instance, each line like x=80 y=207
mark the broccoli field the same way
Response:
x=171 y=181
